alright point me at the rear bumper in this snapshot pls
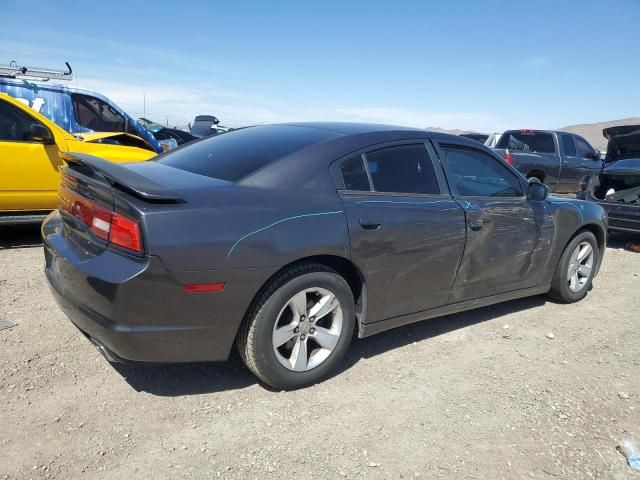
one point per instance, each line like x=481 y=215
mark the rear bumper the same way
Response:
x=621 y=217
x=136 y=309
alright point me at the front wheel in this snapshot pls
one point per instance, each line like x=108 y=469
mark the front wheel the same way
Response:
x=300 y=327
x=576 y=268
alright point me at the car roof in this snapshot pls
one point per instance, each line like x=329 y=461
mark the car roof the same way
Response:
x=351 y=128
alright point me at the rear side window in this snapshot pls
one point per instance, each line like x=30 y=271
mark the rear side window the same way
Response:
x=239 y=153
x=15 y=125
x=354 y=174
x=527 y=141
x=472 y=173
x=403 y=169
x=568 y=145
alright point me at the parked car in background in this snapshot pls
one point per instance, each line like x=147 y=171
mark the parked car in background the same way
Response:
x=617 y=186
x=493 y=140
x=207 y=125
x=478 y=137
x=32 y=151
x=559 y=159
x=172 y=137
x=76 y=110
x=287 y=239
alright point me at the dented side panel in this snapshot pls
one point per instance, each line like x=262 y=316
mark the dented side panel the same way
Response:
x=508 y=241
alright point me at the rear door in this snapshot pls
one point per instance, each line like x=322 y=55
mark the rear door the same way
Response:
x=406 y=231
x=508 y=236
x=28 y=168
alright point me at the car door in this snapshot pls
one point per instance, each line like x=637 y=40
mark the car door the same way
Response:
x=29 y=179
x=407 y=233
x=571 y=167
x=508 y=236
x=590 y=162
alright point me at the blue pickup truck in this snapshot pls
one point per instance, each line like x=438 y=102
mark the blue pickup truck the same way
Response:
x=559 y=159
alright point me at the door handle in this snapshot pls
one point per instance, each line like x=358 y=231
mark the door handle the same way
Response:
x=476 y=225
x=369 y=224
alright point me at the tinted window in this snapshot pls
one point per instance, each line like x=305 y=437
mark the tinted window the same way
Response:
x=15 y=125
x=527 y=141
x=96 y=115
x=476 y=174
x=402 y=169
x=568 y=145
x=354 y=174
x=239 y=153
x=584 y=149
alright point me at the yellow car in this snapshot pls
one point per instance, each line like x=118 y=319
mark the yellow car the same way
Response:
x=31 y=154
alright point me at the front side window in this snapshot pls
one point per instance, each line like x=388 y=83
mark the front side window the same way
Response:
x=568 y=145
x=403 y=169
x=15 y=125
x=472 y=173
x=97 y=115
x=584 y=149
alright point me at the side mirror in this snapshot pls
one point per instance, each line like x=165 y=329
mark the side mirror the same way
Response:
x=40 y=133
x=537 y=190
x=593 y=155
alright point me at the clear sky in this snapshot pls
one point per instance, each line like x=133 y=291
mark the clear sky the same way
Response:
x=483 y=65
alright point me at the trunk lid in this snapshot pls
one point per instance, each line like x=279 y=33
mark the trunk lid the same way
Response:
x=624 y=143
x=107 y=205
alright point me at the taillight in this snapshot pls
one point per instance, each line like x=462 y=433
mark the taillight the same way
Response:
x=583 y=184
x=103 y=222
x=508 y=157
x=125 y=233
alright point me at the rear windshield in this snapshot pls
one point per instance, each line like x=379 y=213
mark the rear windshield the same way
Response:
x=239 y=153
x=525 y=141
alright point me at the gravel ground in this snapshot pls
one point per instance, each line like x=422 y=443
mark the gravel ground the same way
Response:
x=485 y=394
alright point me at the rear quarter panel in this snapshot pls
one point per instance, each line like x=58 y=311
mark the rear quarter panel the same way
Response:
x=229 y=232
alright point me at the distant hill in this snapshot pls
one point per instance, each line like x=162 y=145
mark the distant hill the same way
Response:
x=444 y=130
x=593 y=131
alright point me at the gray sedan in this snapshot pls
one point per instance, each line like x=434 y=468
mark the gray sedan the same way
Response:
x=288 y=239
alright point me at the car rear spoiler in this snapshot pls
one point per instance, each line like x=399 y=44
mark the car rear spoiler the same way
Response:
x=129 y=180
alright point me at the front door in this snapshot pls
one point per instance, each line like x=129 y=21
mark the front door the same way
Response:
x=407 y=234
x=30 y=177
x=507 y=235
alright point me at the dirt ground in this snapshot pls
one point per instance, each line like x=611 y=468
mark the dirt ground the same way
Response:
x=484 y=395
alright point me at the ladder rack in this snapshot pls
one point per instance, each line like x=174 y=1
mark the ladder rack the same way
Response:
x=13 y=70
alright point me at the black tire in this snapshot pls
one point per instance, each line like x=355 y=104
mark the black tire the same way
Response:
x=254 y=340
x=560 y=290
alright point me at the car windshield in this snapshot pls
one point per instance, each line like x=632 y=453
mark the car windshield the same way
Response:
x=527 y=141
x=239 y=153
x=149 y=125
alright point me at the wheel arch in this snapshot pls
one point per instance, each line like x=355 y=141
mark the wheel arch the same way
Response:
x=343 y=266
x=598 y=232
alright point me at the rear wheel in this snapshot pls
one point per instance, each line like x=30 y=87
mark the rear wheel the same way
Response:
x=300 y=327
x=575 y=270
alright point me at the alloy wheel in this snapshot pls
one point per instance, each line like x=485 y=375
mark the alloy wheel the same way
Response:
x=580 y=267
x=308 y=329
